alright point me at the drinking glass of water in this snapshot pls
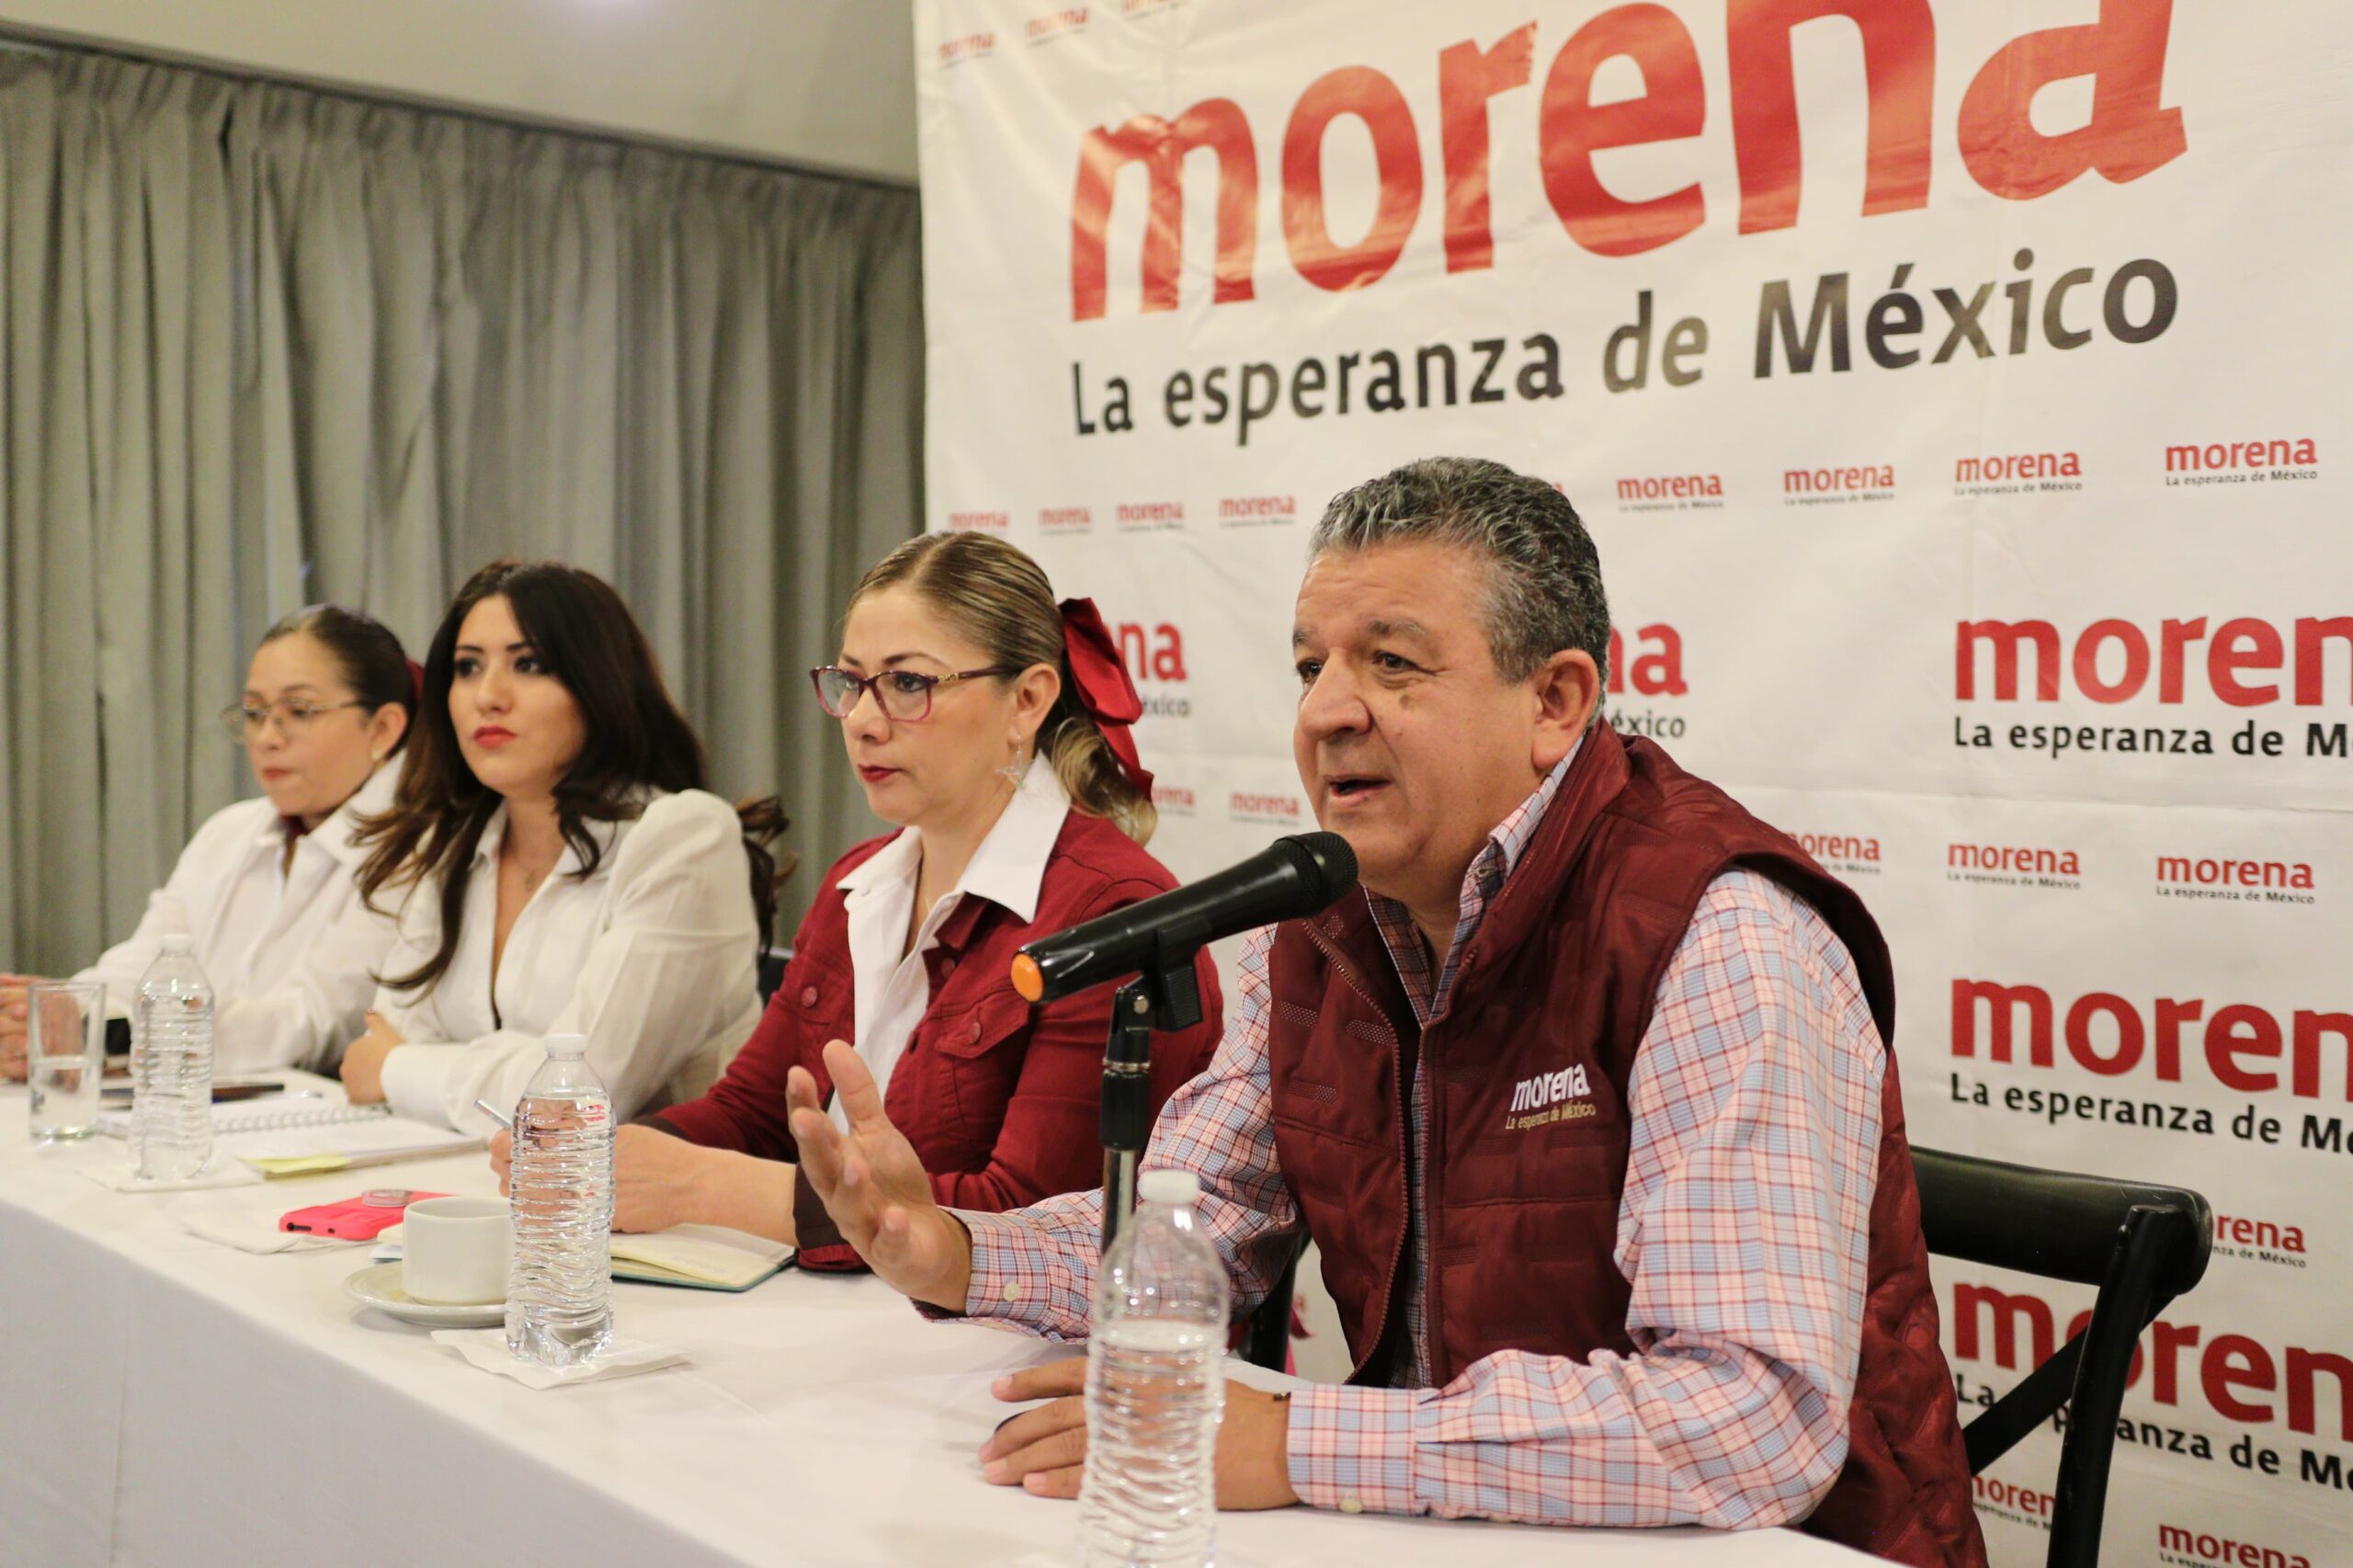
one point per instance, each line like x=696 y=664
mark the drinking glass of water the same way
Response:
x=66 y=1057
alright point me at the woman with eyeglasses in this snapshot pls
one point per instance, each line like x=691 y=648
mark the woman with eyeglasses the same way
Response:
x=268 y=887
x=991 y=724
x=558 y=865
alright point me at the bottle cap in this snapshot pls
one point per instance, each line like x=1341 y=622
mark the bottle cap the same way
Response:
x=1175 y=1188
x=179 y=942
x=567 y=1045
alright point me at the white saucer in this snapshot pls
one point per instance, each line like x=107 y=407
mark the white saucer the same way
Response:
x=379 y=1285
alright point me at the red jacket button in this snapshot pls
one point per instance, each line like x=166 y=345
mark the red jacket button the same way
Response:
x=808 y=995
x=972 y=1032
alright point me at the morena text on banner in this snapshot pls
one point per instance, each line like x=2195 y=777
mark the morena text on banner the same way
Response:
x=2235 y=1047
x=1897 y=317
x=1381 y=380
x=2178 y=1362
x=1511 y=366
x=2131 y=133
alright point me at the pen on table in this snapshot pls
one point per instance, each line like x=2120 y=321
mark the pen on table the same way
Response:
x=495 y=1114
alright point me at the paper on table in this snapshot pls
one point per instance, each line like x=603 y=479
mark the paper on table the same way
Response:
x=486 y=1348
x=296 y=1107
x=252 y=1233
x=124 y=1179
x=1266 y=1380
x=244 y=1158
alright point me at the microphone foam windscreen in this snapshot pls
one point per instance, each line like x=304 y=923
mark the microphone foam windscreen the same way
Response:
x=1330 y=864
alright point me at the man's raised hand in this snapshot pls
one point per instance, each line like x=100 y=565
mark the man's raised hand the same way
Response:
x=875 y=1187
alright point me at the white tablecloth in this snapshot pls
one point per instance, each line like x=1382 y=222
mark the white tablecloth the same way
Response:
x=168 y=1400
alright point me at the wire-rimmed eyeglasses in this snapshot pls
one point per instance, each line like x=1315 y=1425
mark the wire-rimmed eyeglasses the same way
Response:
x=243 y=721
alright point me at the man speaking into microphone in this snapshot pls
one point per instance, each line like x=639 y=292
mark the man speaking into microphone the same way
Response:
x=1586 y=1098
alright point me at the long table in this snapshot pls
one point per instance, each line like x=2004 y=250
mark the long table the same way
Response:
x=167 y=1401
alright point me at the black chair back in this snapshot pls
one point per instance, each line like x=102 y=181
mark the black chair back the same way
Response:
x=2141 y=1245
x=1266 y=1340
x=772 y=962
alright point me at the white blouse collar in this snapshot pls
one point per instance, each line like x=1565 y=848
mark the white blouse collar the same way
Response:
x=1009 y=867
x=335 y=835
x=606 y=834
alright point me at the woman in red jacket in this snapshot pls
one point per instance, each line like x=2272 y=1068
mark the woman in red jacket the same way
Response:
x=992 y=725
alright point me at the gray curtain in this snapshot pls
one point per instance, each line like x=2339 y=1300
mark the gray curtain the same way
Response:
x=267 y=346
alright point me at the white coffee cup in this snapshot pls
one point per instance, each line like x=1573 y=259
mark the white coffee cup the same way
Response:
x=453 y=1251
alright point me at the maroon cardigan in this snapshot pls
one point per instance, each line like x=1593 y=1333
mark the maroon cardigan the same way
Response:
x=998 y=1096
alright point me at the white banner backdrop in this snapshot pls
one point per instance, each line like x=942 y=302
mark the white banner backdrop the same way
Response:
x=1956 y=394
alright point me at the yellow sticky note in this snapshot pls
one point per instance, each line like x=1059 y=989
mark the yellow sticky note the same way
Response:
x=300 y=1165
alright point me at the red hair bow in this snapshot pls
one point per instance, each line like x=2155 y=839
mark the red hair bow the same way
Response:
x=1103 y=688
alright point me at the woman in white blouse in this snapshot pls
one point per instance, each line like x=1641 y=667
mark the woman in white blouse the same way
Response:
x=268 y=887
x=558 y=865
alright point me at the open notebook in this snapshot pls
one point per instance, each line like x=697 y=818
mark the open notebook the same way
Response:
x=274 y=1114
x=702 y=1257
x=299 y=1137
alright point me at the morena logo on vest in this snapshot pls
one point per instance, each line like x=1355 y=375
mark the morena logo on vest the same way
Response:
x=1548 y=1098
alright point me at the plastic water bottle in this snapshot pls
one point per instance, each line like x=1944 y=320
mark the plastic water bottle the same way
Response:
x=171 y=1066
x=560 y=1281
x=1155 y=1388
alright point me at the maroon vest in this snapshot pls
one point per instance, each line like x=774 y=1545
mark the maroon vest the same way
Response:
x=1561 y=973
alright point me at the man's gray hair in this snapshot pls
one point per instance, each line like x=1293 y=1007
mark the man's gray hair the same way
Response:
x=1543 y=574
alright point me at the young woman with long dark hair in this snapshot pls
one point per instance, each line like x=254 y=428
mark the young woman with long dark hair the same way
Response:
x=559 y=864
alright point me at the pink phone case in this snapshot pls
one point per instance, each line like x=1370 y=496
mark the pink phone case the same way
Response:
x=358 y=1219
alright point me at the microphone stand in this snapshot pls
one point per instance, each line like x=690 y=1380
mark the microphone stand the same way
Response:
x=1164 y=998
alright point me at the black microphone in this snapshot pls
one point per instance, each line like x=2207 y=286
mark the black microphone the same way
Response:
x=1288 y=880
